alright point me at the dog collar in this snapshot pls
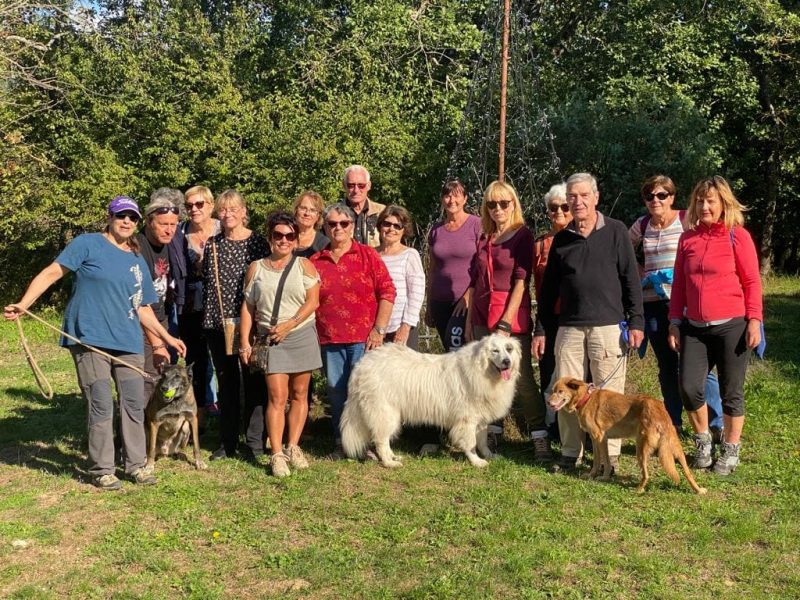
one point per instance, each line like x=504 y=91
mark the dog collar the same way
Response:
x=582 y=402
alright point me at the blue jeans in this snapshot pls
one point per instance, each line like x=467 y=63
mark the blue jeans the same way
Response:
x=338 y=361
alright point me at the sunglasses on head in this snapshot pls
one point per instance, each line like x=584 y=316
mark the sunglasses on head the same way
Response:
x=395 y=226
x=121 y=216
x=660 y=195
x=277 y=236
x=336 y=224
x=352 y=186
x=553 y=208
x=492 y=204
x=198 y=205
x=164 y=210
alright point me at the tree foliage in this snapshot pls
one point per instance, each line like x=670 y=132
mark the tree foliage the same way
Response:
x=275 y=97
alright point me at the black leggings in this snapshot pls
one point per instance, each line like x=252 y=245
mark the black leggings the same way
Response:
x=723 y=346
x=441 y=311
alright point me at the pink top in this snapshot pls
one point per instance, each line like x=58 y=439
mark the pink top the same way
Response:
x=716 y=276
x=349 y=293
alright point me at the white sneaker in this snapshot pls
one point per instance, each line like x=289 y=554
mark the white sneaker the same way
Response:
x=279 y=463
x=296 y=457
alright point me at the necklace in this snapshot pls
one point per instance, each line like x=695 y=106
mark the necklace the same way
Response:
x=279 y=265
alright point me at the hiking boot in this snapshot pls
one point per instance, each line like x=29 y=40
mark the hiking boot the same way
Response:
x=142 y=477
x=338 y=453
x=702 y=455
x=541 y=447
x=565 y=464
x=728 y=459
x=296 y=457
x=107 y=482
x=279 y=463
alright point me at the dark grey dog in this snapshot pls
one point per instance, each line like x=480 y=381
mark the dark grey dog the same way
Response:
x=172 y=417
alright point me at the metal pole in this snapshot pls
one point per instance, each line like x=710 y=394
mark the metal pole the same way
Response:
x=501 y=167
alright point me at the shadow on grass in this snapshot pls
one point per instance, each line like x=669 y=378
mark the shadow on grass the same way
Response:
x=42 y=434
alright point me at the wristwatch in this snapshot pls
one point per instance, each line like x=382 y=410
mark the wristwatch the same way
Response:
x=381 y=330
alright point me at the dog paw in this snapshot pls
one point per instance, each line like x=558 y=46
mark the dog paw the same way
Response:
x=702 y=491
x=392 y=464
x=587 y=476
x=479 y=462
x=200 y=465
x=604 y=478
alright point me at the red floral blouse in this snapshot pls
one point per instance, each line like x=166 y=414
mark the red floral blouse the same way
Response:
x=349 y=293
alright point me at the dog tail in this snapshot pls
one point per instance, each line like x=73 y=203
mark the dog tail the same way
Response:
x=355 y=434
x=677 y=453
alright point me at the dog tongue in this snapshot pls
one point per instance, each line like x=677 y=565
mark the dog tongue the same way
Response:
x=506 y=373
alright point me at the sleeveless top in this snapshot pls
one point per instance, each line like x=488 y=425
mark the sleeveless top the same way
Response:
x=261 y=290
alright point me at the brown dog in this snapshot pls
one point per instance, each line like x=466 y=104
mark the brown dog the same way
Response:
x=172 y=417
x=603 y=414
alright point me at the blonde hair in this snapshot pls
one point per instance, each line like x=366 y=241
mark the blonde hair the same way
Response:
x=732 y=209
x=500 y=190
x=200 y=190
x=229 y=197
x=316 y=199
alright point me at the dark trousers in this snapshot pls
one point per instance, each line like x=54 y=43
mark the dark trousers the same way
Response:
x=441 y=311
x=657 y=326
x=193 y=335
x=230 y=376
x=547 y=365
x=703 y=348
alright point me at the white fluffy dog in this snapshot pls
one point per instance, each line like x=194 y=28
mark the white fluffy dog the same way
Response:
x=462 y=392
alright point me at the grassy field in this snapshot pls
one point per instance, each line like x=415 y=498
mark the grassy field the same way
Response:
x=437 y=528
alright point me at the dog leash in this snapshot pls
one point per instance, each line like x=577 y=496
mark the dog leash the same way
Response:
x=620 y=362
x=38 y=374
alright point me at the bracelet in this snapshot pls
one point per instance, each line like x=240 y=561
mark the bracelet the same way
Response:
x=504 y=326
x=158 y=347
x=243 y=350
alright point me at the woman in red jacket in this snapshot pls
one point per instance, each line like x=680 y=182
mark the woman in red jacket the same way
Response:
x=715 y=313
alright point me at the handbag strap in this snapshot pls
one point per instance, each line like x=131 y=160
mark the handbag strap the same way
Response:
x=489 y=264
x=216 y=278
x=279 y=292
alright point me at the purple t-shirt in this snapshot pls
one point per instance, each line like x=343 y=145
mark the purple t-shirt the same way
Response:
x=452 y=252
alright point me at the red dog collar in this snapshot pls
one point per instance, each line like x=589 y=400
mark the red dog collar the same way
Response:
x=582 y=402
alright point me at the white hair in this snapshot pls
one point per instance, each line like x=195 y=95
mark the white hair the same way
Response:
x=556 y=192
x=582 y=178
x=355 y=168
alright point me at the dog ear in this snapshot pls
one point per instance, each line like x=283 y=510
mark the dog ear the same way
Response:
x=189 y=371
x=575 y=384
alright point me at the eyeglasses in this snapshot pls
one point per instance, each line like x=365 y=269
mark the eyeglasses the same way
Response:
x=395 y=226
x=277 y=236
x=308 y=210
x=132 y=217
x=198 y=205
x=504 y=204
x=336 y=224
x=553 y=208
x=232 y=210
x=660 y=195
x=164 y=210
x=352 y=186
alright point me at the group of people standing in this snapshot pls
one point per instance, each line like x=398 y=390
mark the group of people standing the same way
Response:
x=327 y=284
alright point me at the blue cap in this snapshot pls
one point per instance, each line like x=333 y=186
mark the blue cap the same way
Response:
x=123 y=203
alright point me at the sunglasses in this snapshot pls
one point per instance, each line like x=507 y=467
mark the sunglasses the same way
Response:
x=336 y=224
x=553 y=208
x=352 y=186
x=660 y=195
x=198 y=205
x=277 y=236
x=132 y=217
x=395 y=226
x=504 y=204
x=164 y=210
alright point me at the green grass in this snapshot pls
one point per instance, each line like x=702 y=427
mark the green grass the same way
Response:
x=437 y=528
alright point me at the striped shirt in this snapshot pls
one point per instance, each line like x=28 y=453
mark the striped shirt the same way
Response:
x=408 y=276
x=660 y=247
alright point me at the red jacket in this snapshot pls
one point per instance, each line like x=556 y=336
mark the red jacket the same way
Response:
x=716 y=275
